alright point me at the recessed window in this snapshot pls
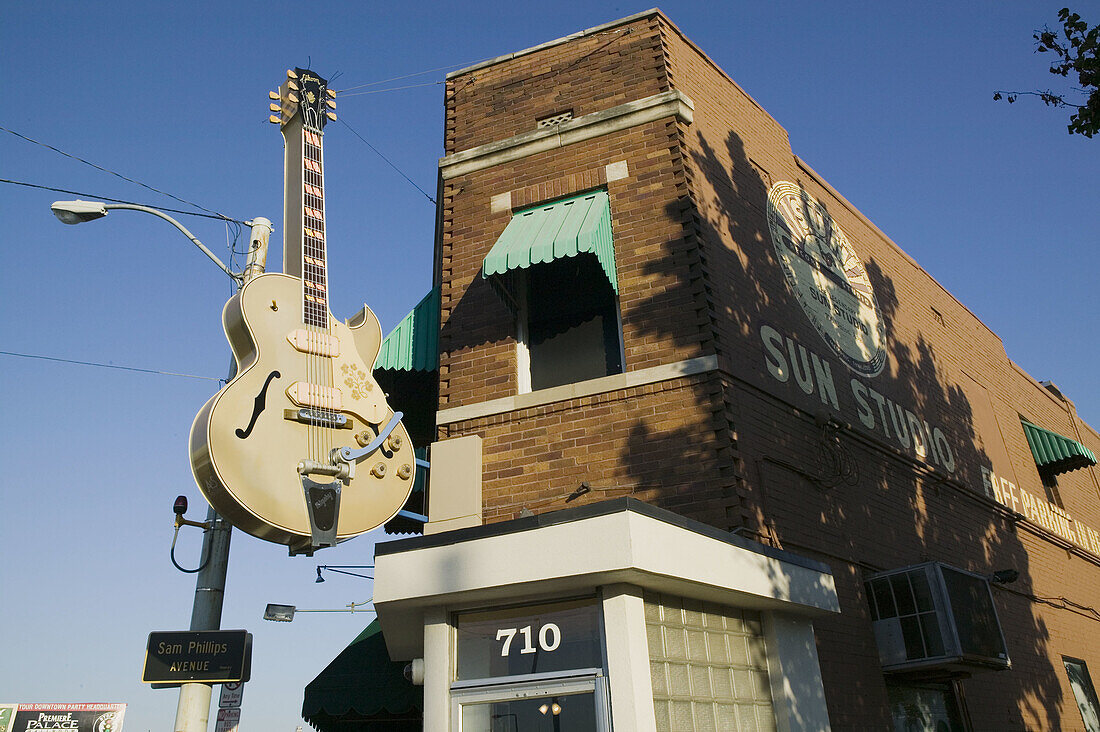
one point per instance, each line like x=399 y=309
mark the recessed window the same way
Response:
x=1050 y=485
x=554 y=265
x=1084 y=692
x=535 y=667
x=925 y=707
x=571 y=328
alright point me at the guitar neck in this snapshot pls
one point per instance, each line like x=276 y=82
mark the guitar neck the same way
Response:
x=304 y=250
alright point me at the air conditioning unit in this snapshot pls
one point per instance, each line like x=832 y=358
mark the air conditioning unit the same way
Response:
x=937 y=618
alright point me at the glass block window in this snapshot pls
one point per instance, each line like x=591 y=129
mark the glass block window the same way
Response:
x=709 y=667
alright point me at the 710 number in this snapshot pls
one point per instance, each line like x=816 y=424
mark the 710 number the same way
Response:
x=549 y=638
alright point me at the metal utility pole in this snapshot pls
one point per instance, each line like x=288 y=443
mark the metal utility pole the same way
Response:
x=193 y=711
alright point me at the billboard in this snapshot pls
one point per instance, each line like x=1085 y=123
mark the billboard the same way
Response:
x=71 y=717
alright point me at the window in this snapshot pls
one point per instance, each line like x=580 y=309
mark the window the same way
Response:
x=1084 y=692
x=934 y=616
x=708 y=665
x=925 y=708
x=1050 y=484
x=554 y=266
x=534 y=667
x=569 y=324
x=907 y=596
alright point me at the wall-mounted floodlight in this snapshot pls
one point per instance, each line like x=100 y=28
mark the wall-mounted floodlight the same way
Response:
x=342 y=569
x=279 y=613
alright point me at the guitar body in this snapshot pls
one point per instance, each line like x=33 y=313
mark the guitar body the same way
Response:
x=247 y=442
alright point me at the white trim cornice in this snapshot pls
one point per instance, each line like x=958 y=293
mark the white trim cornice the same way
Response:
x=615 y=382
x=672 y=103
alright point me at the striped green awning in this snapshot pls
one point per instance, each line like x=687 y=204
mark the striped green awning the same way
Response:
x=413 y=345
x=1055 y=453
x=577 y=225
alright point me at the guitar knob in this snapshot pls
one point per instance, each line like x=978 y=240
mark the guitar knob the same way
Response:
x=363 y=438
x=393 y=442
x=379 y=470
x=404 y=471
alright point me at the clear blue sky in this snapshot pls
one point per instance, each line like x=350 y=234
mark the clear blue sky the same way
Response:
x=889 y=102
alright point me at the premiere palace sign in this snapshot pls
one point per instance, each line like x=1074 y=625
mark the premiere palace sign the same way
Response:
x=71 y=717
x=831 y=284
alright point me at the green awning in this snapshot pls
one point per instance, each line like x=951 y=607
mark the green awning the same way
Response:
x=413 y=345
x=363 y=685
x=1055 y=453
x=577 y=225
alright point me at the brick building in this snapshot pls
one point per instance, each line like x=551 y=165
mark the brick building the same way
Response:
x=644 y=293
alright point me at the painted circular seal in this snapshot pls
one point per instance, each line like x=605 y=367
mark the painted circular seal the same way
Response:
x=827 y=277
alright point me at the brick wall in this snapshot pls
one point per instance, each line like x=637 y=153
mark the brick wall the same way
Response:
x=736 y=447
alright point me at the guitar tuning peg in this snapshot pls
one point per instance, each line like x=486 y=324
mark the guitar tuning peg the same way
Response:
x=273 y=95
x=331 y=104
x=331 y=115
x=275 y=107
x=292 y=86
x=274 y=120
x=292 y=98
x=331 y=92
x=290 y=74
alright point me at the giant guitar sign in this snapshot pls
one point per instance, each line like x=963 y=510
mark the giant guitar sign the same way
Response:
x=301 y=448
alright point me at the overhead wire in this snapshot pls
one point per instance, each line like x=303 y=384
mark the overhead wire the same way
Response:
x=395 y=88
x=114 y=173
x=404 y=76
x=388 y=161
x=219 y=217
x=233 y=227
x=107 y=366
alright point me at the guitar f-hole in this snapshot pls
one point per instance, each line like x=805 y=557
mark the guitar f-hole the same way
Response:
x=258 y=405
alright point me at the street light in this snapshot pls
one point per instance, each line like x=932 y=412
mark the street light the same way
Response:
x=193 y=711
x=77 y=212
x=285 y=613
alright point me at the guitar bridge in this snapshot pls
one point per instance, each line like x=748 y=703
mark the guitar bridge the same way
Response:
x=319 y=418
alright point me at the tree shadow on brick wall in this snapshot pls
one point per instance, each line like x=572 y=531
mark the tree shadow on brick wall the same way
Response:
x=818 y=480
x=483 y=316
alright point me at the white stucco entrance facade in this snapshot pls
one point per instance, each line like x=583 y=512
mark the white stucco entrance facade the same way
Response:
x=612 y=616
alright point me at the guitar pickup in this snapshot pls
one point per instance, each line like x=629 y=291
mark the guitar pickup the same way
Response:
x=320 y=344
x=313 y=395
x=319 y=418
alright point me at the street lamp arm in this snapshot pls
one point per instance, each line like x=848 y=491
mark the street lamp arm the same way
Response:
x=182 y=228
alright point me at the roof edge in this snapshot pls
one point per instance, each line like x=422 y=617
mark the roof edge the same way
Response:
x=555 y=42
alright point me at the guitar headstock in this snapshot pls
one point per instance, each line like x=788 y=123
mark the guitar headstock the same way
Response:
x=306 y=94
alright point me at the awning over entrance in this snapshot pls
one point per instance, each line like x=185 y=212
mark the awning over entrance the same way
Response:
x=362 y=685
x=413 y=344
x=1055 y=453
x=577 y=225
